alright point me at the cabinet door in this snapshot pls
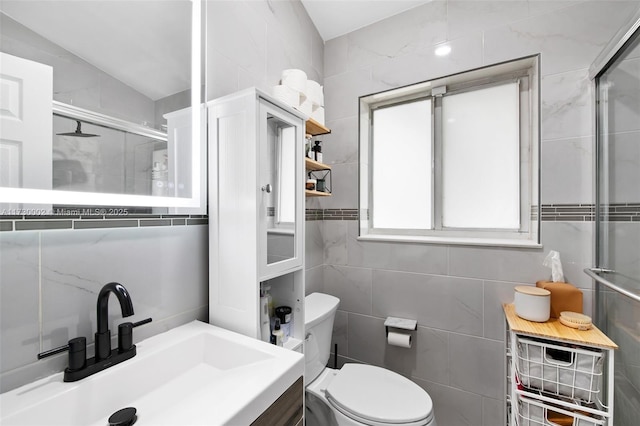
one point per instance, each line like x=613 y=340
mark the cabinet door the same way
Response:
x=233 y=268
x=280 y=197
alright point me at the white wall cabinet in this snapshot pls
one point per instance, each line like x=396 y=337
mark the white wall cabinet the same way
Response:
x=256 y=216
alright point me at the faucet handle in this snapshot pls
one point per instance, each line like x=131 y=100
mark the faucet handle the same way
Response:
x=77 y=348
x=125 y=334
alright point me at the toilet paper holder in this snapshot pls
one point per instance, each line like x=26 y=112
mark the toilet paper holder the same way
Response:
x=401 y=323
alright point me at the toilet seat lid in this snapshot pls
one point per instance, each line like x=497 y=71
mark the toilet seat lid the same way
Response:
x=378 y=395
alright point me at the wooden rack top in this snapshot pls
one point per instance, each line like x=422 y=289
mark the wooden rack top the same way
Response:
x=553 y=329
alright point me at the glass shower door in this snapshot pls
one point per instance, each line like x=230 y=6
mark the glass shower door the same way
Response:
x=618 y=222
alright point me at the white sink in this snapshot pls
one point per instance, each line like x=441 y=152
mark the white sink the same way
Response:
x=190 y=375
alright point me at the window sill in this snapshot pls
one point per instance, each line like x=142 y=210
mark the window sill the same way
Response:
x=486 y=242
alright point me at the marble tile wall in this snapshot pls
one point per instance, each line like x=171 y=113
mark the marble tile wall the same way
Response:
x=456 y=292
x=50 y=281
x=251 y=42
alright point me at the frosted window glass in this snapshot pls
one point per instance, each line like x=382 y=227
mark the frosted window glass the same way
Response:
x=402 y=166
x=481 y=158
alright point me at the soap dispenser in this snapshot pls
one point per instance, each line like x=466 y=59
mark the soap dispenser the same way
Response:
x=318 y=152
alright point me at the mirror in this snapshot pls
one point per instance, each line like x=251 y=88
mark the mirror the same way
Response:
x=281 y=201
x=100 y=105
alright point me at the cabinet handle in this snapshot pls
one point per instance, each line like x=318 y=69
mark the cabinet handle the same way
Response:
x=267 y=188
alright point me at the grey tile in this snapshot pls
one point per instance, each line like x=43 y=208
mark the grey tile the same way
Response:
x=366 y=339
x=314 y=280
x=477 y=365
x=408 y=257
x=198 y=221
x=351 y=285
x=499 y=264
x=95 y=224
x=495 y=294
x=32 y=225
x=158 y=222
x=341 y=145
x=344 y=187
x=566 y=105
x=342 y=92
x=473 y=17
x=423 y=64
x=446 y=303
x=566 y=171
x=493 y=412
x=568 y=39
x=335 y=56
x=335 y=242
x=242 y=41
x=401 y=34
x=314 y=244
x=19 y=287
x=147 y=261
x=340 y=335
x=452 y=406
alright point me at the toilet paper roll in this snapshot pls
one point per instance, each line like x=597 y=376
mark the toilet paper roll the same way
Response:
x=395 y=338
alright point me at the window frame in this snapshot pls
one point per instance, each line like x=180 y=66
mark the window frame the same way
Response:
x=525 y=71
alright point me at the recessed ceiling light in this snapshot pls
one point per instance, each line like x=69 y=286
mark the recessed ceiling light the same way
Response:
x=443 y=50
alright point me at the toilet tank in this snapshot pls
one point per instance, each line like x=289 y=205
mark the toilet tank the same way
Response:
x=319 y=313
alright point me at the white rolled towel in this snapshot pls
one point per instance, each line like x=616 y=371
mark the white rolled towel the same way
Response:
x=318 y=115
x=306 y=107
x=287 y=95
x=314 y=92
x=296 y=79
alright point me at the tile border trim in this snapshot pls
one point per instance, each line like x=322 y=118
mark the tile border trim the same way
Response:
x=72 y=222
x=619 y=212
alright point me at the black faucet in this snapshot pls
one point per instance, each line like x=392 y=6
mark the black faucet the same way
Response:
x=105 y=357
x=103 y=335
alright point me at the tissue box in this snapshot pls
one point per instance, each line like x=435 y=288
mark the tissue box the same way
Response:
x=564 y=297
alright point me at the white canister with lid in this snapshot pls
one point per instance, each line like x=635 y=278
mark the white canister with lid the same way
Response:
x=532 y=303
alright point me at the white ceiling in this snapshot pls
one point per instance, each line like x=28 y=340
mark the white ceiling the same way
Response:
x=334 y=18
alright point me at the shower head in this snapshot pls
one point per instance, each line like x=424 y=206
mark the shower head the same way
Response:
x=78 y=133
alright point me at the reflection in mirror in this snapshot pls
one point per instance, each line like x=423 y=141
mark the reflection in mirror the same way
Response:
x=281 y=169
x=133 y=89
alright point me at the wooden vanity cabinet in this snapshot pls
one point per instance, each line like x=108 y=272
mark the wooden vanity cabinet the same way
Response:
x=287 y=410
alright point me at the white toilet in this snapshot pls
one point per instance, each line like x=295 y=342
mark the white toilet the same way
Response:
x=356 y=394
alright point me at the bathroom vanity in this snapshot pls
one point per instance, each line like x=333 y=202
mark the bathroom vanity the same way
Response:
x=556 y=374
x=195 y=374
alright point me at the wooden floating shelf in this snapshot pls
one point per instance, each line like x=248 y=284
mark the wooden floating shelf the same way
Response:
x=314 y=128
x=314 y=165
x=316 y=193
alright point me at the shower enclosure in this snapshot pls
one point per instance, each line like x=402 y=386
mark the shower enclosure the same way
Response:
x=617 y=273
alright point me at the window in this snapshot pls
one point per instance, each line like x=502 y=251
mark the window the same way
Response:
x=453 y=159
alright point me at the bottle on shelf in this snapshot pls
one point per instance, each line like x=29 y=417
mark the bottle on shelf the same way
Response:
x=317 y=151
x=278 y=334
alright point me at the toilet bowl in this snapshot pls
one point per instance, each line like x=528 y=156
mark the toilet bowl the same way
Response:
x=356 y=394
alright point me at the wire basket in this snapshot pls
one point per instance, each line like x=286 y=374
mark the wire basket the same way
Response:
x=567 y=371
x=531 y=412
